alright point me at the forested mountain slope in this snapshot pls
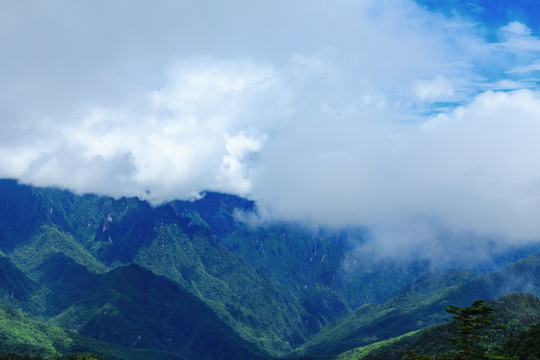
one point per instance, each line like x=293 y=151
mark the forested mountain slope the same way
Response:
x=421 y=304
x=21 y=334
x=129 y=306
x=19 y=291
x=87 y=263
x=518 y=312
x=275 y=285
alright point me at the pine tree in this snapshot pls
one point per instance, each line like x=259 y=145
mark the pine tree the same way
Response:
x=469 y=326
x=472 y=323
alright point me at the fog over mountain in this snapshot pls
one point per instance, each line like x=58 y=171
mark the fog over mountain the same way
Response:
x=407 y=118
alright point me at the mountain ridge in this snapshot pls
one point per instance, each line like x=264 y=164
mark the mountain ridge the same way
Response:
x=281 y=289
x=410 y=311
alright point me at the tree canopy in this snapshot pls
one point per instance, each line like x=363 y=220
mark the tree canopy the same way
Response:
x=469 y=327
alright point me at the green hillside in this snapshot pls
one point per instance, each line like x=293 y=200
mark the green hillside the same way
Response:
x=413 y=308
x=20 y=334
x=517 y=311
x=259 y=308
x=419 y=305
x=102 y=233
x=129 y=306
x=318 y=262
x=49 y=240
x=20 y=292
x=132 y=307
x=196 y=279
x=275 y=298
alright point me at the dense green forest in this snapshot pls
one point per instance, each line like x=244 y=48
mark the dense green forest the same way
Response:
x=14 y=356
x=190 y=280
x=508 y=333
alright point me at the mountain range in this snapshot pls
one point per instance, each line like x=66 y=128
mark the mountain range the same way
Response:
x=196 y=280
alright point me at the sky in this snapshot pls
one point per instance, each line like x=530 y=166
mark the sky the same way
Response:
x=412 y=119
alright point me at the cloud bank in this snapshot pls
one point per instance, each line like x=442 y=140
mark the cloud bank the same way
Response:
x=377 y=114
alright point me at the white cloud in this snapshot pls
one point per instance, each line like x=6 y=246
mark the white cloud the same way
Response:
x=517 y=36
x=315 y=110
x=507 y=84
x=515 y=28
x=194 y=134
x=474 y=171
x=535 y=66
x=435 y=89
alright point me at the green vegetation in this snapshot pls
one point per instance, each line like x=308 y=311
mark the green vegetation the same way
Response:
x=20 y=292
x=134 y=309
x=469 y=328
x=308 y=261
x=472 y=322
x=45 y=339
x=420 y=305
x=260 y=309
x=216 y=287
x=516 y=311
x=36 y=340
x=525 y=346
x=101 y=232
x=47 y=241
x=87 y=356
x=417 y=306
x=360 y=352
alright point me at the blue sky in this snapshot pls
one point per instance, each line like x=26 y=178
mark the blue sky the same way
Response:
x=490 y=17
x=491 y=14
x=406 y=117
